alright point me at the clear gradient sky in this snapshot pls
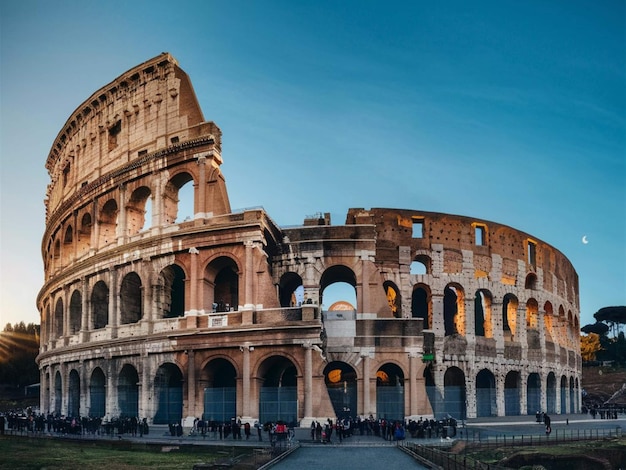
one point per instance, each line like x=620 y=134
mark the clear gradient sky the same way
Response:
x=509 y=111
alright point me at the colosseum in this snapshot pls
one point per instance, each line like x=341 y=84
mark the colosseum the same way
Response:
x=221 y=314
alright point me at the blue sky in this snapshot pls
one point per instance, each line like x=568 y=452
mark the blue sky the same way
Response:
x=509 y=111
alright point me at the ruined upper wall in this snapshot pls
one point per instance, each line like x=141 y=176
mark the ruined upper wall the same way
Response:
x=148 y=108
x=396 y=228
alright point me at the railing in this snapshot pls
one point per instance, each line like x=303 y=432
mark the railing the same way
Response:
x=448 y=461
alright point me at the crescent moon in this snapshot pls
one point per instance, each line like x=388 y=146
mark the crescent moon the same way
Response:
x=585 y=241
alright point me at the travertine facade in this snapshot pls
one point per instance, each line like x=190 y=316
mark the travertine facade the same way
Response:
x=168 y=319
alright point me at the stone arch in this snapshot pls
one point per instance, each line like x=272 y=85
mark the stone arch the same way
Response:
x=168 y=393
x=512 y=385
x=341 y=383
x=533 y=393
x=58 y=393
x=454 y=393
x=73 y=398
x=68 y=238
x=421 y=264
x=100 y=305
x=128 y=391
x=509 y=316
x=219 y=382
x=338 y=273
x=222 y=284
x=531 y=281
x=483 y=324
x=83 y=235
x=97 y=394
x=394 y=298
x=454 y=309
x=107 y=222
x=171 y=199
x=170 y=292
x=421 y=304
x=278 y=394
x=131 y=299
x=548 y=320
x=58 y=318
x=486 y=394
x=76 y=310
x=390 y=392
x=288 y=289
x=136 y=211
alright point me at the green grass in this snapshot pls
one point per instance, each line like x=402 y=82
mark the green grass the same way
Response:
x=62 y=454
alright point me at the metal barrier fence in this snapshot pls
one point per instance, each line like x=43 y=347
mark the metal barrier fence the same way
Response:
x=449 y=461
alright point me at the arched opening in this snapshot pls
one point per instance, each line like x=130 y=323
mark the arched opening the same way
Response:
x=223 y=275
x=168 y=391
x=84 y=235
x=108 y=223
x=420 y=265
x=97 y=394
x=136 y=210
x=486 y=394
x=58 y=319
x=341 y=383
x=483 y=325
x=394 y=299
x=338 y=283
x=58 y=393
x=76 y=310
x=390 y=393
x=421 y=305
x=178 y=199
x=290 y=290
x=512 y=394
x=531 y=281
x=279 y=391
x=547 y=320
x=100 y=305
x=533 y=393
x=509 y=316
x=453 y=310
x=220 y=391
x=551 y=393
x=73 y=399
x=128 y=392
x=171 y=292
x=131 y=299
x=454 y=393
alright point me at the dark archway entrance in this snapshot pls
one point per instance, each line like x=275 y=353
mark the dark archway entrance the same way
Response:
x=220 y=392
x=279 y=392
x=128 y=392
x=340 y=379
x=168 y=391
x=390 y=393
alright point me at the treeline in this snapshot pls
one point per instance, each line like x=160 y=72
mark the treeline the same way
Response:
x=606 y=340
x=19 y=346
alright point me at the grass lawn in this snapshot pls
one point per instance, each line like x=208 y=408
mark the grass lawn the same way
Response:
x=64 y=454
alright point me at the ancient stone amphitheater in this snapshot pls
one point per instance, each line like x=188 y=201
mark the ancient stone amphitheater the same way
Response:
x=221 y=314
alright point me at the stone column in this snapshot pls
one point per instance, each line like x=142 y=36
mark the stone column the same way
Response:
x=248 y=276
x=85 y=317
x=191 y=384
x=245 y=384
x=95 y=229
x=111 y=391
x=121 y=231
x=367 y=404
x=114 y=296
x=500 y=395
x=308 y=382
x=200 y=210
x=413 y=391
x=364 y=304
x=145 y=398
